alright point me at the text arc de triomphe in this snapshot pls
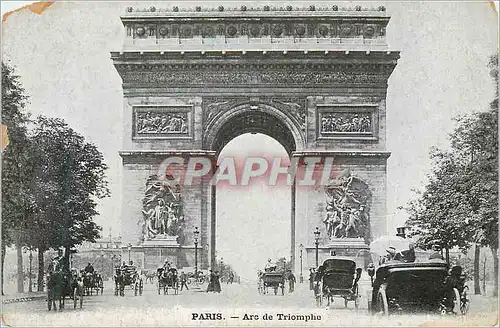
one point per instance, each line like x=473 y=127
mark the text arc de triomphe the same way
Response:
x=316 y=81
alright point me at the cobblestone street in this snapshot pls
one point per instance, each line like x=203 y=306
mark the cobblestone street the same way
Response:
x=226 y=309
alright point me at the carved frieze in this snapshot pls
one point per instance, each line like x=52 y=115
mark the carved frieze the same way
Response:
x=258 y=29
x=302 y=75
x=162 y=121
x=347 y=120
x=346 y=123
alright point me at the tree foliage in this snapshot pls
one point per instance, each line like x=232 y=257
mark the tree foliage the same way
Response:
x=17 y=202
x=70 y=178
x=459 y=205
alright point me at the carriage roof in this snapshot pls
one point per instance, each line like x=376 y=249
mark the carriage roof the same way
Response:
x=339 y=264
x=402 y=269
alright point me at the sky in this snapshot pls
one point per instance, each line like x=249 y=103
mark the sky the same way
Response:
x=63 y=58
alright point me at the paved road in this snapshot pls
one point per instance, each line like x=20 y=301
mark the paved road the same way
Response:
x=198 y=308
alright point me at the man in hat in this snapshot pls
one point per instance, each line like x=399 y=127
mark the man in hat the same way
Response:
x=183 y=279
x=436 y=255
x=270 y=266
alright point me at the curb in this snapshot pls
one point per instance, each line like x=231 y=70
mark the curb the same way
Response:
x=24 y=299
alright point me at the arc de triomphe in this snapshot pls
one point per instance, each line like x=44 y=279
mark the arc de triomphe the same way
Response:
x=313 y=79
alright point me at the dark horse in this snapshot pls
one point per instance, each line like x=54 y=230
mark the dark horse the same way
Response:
x=119 y=282
x=92 y=281
x=59 y=285
x=55 y=289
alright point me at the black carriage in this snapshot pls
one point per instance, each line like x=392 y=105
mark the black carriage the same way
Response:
x=93 y=282
x=426 y=286
x=274 y=280
x=128 y=276
x=168 y=279
x=61 y=284
x=337 y=277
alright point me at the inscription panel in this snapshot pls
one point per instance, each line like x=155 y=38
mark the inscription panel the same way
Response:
x=162 y=122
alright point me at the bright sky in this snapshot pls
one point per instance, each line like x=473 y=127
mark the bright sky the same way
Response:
x=445 y=47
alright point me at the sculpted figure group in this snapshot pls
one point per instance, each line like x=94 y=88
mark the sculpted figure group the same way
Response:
x=161 y=123
x=161 y=209
x=347 y=208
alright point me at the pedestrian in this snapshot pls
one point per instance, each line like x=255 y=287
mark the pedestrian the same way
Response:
x=311 y=279
x=183 y=278
x=211 y=278
x=217 y=288
x=291 y=282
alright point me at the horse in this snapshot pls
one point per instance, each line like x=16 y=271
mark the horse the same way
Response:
x=149 y=276
x=88 y=283
x=56 y=286
x=119 y=282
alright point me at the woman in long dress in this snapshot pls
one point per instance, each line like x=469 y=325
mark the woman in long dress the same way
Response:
x=210 y=287
x=217 y=282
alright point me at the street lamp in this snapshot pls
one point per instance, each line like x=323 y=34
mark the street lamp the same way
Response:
x=301 y=278
x=316 y=241
x=129 y=249
x=30 y=288
x=221 y=266
x=196 y=234
x=102 y=262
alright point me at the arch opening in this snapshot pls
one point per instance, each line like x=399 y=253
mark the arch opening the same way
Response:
x=252 y=220
x=255 y=118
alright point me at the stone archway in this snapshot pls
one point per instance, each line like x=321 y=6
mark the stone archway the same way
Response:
x=253 y=117
x=314 y=79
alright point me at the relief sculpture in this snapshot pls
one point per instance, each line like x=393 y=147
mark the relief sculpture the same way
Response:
x=347 y=209
x=161 y=123
x=346 y=122
x=161 y=209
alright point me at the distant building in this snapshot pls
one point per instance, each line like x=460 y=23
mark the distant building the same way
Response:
x=104 y=255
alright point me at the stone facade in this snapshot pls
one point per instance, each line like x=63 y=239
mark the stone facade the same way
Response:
x=315 y=81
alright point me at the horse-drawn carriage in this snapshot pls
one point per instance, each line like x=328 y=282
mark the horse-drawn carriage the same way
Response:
x=92 y=282
x=168 y=279
x=272 y=279
x=61 y=284
x=337 y=277
x=424 y=286
x=128 y=276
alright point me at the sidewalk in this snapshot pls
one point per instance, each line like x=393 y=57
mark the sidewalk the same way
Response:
x=23 y=297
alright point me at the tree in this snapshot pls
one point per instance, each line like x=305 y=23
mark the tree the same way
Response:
x=459 y=205
x=70 y=179
x=17 y=203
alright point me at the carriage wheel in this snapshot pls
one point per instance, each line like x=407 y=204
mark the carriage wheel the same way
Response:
x=75 y=297
x=464 y=302
x=49 y=300
x=356 y=297
x=382 y=304
x=319 y=300
x=456 y=301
